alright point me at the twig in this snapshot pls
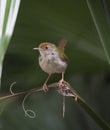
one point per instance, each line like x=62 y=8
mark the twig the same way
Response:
x=63 y=106
x=67 y=90
x=27 y=91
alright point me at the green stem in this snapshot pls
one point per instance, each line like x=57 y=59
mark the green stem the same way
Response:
x=99 y=121
x=93 y=114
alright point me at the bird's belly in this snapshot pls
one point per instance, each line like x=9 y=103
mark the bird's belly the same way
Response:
x=52 y=65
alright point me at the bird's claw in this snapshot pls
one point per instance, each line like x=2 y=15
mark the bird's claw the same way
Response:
x=45 y=88
x=61 y=83
x=65 y=89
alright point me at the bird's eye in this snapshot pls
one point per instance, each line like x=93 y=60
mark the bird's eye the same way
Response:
x=46 y=47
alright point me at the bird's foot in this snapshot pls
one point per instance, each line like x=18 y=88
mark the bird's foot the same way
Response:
x=65 y=89
x=45 y=88
x=61 y=83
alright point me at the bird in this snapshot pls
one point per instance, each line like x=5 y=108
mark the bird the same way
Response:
x=52 y=59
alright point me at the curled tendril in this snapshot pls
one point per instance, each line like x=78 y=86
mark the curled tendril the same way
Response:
x=64 y=89
x=28 y=112
x=11 y=86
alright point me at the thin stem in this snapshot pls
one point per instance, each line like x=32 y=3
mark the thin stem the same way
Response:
x=27 y=91
x=93 y=114
x=75 y=97
x=63 y=106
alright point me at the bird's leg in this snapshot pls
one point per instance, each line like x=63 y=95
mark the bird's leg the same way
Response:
x=45 y=88
x=62 y=79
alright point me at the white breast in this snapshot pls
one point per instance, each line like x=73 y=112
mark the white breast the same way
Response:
x=52 y=64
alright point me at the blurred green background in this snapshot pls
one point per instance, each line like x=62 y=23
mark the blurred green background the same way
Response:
x=88 y=69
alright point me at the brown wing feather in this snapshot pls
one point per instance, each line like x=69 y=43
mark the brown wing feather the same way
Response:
x=62 y=43
x=61 y=47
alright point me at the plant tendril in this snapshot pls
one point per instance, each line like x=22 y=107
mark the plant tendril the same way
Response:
x=28 y=112
x=11 y=86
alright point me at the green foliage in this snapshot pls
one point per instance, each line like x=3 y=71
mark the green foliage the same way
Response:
x=101 y=23
x=8 y=13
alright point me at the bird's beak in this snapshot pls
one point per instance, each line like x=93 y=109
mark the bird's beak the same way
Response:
x=36 y=48
x=39 y=49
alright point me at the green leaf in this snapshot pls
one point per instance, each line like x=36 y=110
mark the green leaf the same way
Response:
x=99 y=17
x=8 y=15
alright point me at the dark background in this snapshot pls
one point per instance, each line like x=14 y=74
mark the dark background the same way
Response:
x=88 y=69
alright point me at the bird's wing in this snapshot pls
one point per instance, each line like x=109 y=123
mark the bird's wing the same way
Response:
x=62 y=43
